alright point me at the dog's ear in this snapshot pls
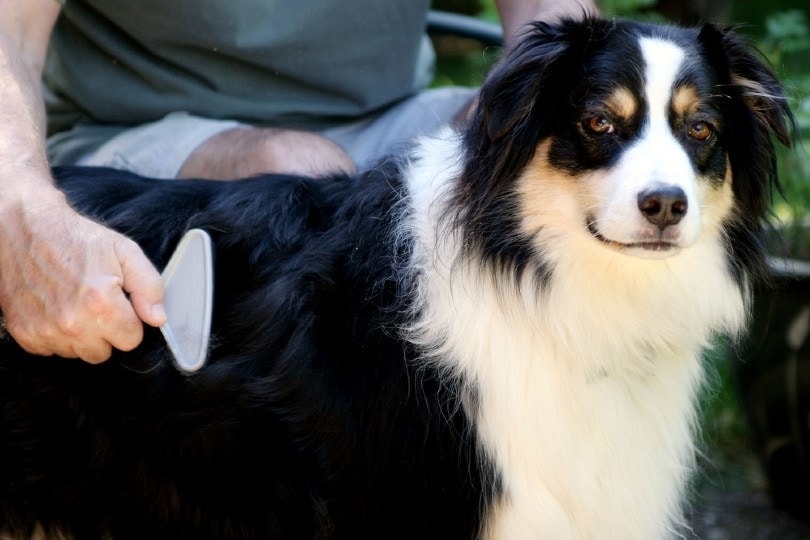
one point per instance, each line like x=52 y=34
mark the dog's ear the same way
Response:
x=514 y=85
x=751 y=79
x=518 y=97
x=756 y=112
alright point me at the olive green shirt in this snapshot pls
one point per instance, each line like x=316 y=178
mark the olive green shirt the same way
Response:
x=299 y=63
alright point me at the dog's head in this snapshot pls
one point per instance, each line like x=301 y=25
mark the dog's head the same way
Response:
x=641 y=139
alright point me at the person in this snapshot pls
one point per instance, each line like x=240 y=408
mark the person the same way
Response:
x=189 y=78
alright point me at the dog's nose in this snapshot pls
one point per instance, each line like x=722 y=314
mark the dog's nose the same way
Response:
x=663 y=206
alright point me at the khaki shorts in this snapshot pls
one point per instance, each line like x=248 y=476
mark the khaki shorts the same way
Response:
x=159 y=149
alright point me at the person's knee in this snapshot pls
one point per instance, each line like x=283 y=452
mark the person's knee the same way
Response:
x=243 y=152
x=299 y=152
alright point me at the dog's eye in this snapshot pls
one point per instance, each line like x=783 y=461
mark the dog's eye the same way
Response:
x=700 y=131
x=599 y=125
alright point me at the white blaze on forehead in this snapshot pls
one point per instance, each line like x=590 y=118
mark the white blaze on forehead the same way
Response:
x=656 y=158
x=662 y=63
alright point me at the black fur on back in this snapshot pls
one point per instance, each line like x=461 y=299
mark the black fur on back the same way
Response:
x=310 y=418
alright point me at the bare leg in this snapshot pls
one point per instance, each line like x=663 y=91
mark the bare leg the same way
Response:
x=242 y=152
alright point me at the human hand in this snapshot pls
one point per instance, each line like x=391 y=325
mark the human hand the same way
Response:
x=63 y=280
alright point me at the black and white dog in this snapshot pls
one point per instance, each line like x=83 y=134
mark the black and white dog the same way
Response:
x=497 y=336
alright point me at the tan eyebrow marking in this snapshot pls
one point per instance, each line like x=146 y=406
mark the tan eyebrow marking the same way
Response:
x=685 y=101
x=622 y=103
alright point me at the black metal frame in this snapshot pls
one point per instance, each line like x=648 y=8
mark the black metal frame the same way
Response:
x=455 y=24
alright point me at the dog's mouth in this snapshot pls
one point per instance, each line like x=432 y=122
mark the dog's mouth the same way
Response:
x=653 y=246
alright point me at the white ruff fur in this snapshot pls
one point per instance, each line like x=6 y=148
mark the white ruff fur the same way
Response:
x=585 y=386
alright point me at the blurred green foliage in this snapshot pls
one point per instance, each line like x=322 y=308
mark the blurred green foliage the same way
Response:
x=785 y=41
x=624 y=8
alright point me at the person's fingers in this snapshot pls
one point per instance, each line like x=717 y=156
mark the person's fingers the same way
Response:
x=116 y=323
x=55 y=339
x=85 y=324
x=92 y=353
x=143 y=283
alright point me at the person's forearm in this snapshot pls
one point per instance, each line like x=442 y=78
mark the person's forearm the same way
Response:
x=515 y=14
x=22 y=117
x=68 y=285
x=24 y=33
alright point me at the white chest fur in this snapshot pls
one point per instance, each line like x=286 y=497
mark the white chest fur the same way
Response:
x=585 y=386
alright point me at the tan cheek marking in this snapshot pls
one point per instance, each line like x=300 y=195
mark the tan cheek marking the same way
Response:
x=685 y=101
x=550 y=200
x=717 y=203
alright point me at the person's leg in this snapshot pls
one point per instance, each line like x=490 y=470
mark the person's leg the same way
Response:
x=185 y=146
x=157 y=149
x=242 y=152
x=247 y=151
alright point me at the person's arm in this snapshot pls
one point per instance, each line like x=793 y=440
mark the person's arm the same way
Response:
x=63 y=278
x=515 y=14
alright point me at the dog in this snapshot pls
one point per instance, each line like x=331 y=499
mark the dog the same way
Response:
x=497 y=334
